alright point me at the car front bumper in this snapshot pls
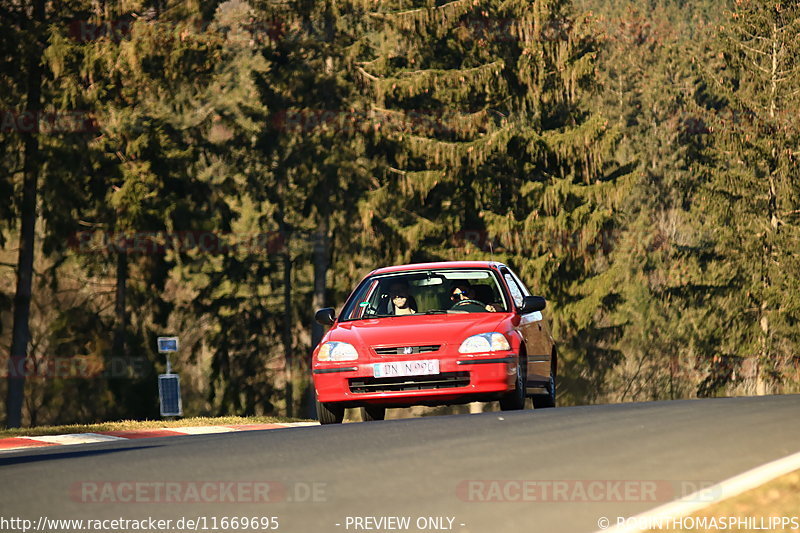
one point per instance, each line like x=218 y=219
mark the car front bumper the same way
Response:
x=461 y=379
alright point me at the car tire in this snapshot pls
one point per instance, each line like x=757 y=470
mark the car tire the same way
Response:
x=515 y=400
x=329 y=413
x=372 y=413
x=541 y=401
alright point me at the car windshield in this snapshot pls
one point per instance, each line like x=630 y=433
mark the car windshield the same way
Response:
x=426 y=292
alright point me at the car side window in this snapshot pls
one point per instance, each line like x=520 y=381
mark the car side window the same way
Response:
x=513 y=286
x=366 y=300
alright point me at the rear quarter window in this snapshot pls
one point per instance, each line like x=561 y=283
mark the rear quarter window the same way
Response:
x=513 y=287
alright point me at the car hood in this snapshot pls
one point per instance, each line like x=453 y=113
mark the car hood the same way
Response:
x=417 y=330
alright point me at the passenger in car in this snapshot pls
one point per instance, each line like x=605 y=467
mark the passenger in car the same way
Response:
x=400 y=300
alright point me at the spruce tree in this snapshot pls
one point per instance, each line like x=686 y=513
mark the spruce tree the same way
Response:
x=154 y=178
x=483 y=116
x=33 y=20
x=648 y=79
x=748 y=206
x=311 y=162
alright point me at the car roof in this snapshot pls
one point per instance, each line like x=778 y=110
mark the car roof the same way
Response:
x=437 y=265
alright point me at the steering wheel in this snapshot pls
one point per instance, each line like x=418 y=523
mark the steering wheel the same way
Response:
x=467 y=302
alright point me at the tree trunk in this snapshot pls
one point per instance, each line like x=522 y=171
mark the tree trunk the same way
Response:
x=287 y=320
x=321 y=261
x=762 y=387
x=120 y=314
x=321 y=264
x=20 y=336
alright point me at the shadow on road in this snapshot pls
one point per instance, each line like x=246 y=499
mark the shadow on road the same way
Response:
x=20 y=459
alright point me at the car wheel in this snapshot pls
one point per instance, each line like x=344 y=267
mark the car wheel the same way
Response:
x=541 y=401
x=371 y=413
x=329 y=413
x=515 y=400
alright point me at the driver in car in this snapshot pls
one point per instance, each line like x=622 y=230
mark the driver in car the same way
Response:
x=463 y=297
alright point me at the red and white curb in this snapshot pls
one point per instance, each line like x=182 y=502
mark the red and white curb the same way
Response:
x=18 y=443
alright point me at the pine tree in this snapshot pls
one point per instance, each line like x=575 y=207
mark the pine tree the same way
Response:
x=483 y=112
x=11 y=90
x=33 y=29
x=749 y=202
x=155 y=178
x=13 y=42
x=312 y=161
x=648 y=81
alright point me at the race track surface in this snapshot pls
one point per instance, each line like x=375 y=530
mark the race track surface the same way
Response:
x=548 y=470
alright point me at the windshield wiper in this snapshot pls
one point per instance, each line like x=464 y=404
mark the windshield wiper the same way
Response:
x=436 y=312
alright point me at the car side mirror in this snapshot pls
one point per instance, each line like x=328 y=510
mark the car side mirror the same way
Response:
x=531 y=304
x=325 y=316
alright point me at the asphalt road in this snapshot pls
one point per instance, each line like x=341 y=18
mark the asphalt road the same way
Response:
x=547 y=470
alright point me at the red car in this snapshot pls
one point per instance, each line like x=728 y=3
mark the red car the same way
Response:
x=433 y=334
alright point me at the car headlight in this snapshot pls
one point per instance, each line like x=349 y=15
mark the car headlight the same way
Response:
x=337 y=351
x=485 y=342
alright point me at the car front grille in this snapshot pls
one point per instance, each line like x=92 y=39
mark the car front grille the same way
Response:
x=406 y=350
x=445 y=380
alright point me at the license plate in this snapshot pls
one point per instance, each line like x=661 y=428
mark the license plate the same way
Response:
x=405 y=368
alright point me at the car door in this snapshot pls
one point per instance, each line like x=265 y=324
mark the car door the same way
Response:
x=533 y=328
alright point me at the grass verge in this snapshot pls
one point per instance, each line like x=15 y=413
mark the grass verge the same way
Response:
x=128 y=425
x=774 y=507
